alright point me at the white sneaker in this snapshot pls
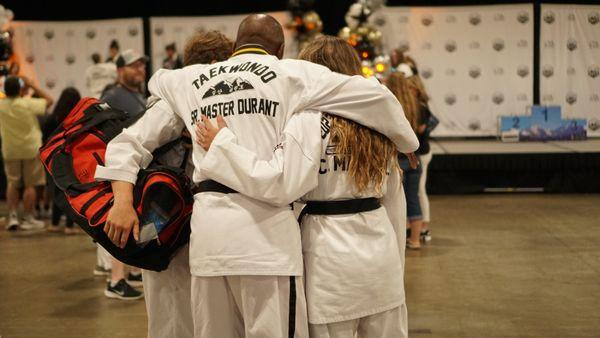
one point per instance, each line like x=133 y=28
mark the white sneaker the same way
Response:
x=30 y=223
x=13 y=222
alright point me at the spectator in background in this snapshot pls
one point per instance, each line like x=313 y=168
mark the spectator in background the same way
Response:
x=113 y=51
x=66 y=102
x=398 y=84
x=396 y=59
x=21 y=139
x=173 y=60
x=99 y=75
x=425 y=155
x=126 y=95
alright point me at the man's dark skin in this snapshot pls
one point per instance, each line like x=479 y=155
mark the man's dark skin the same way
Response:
x=263 y=30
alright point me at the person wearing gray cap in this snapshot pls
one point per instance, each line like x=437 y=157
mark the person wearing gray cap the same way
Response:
x=127 y=93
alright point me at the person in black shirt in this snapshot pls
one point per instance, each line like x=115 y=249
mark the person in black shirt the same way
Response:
x=173 y=60
x=67 y=101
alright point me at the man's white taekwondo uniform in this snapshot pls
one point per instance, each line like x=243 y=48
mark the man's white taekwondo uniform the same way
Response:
x=244 y=254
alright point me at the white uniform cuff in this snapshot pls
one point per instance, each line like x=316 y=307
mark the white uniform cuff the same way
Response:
x=112 y=174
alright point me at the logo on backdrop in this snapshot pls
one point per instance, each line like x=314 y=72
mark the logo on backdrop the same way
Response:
x=474 y=124
x=498 y=44
x=594 y=98
x=549 y=17
x=548 y=44
x=523 y=70
x=427 y=20
x=91 y=33
x=30 y=58
x=450 y=46
x=451 y=19
x=474 y=72
x=498 y=98
x=133 y=31
x=547 y=71
x=548 y=98
x=473 y=98
x=498 y=71
x=594 y=44
x=522 y=97
x=475 y=19
x=70 y=59
x=450 y=72
x=571 y=44
x=450 y=99
x=111 y=31
x=380 y=20
x=29 y=32
x=571 y=98
x=49 y=34
x=571 y=71
x=522 y=43
x=70 y=33
x=50 y=83
x=426 y=72
x=159 y=31
x=499 y=17
x=403 y=19
x=523 y=17
x=474 y=45
x=594 y=18
x=49 y=58
x=426 y=46
x=593 y=71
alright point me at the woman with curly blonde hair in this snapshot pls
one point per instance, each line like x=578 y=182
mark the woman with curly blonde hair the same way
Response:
x=353 y=234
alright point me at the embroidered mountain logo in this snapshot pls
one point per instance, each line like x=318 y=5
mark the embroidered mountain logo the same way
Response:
x=226 y=87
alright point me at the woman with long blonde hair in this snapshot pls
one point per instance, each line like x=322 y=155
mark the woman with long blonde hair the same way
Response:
x=424 y=151
x=353 y=234
x=400 y=86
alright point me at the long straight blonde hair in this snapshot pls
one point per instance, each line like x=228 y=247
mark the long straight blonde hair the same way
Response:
x=371 y=153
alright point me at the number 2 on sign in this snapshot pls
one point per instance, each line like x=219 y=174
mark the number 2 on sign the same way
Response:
x=516 y=121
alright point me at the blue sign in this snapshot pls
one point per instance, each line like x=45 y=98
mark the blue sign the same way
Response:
x=544 y=124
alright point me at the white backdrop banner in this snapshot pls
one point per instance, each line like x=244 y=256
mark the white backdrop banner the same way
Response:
x=166 y=30
x=476 y=61
x=56 y=54
x=570 y=61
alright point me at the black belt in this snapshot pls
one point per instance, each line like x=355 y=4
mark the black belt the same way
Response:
x=213 y=186
x=339 y=207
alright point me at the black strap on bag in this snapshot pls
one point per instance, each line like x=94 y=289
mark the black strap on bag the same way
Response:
x=339 y=207
x=213 y=186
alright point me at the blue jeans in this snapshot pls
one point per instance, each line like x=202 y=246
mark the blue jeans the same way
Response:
x=410 y=180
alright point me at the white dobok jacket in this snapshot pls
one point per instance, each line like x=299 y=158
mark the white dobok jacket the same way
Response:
x=233 y=234
x=354 y=263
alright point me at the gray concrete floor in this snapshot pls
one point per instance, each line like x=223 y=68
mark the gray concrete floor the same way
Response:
x=498 y=266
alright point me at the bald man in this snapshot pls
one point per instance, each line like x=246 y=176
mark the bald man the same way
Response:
x=245 y=255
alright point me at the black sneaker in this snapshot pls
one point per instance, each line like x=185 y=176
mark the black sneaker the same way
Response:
x=134 y=280
x=122 y=291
